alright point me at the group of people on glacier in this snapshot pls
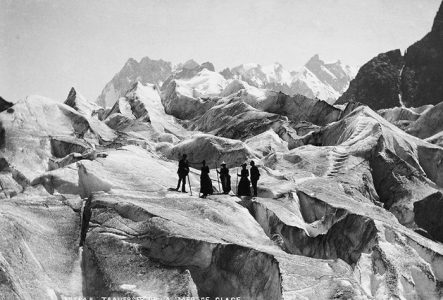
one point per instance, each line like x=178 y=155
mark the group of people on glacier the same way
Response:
x=206 y=188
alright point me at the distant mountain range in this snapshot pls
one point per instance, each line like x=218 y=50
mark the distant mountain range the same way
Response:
x=316 y=79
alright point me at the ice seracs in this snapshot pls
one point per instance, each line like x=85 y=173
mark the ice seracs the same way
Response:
x=348 y=200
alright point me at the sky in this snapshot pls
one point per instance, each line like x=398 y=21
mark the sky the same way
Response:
x=47 y=47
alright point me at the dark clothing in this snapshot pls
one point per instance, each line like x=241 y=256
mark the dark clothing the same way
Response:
x=244 y=188
x=254 y=186
x=183 y=167
x=182 y=180
x=225 y=179
x=183 y=171
x=255 y=175
x=205 y=182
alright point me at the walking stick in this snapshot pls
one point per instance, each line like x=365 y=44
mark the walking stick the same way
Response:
x=189 y=181
x=237 y=182
x=216 y=171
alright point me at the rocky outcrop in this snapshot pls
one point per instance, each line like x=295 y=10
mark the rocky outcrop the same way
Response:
x=2 y=136
x=390 y=79
x=427 y=214
x=377 y=83
x=423 y=71
x=4 y=105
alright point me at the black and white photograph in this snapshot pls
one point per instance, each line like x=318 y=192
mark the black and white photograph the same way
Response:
x=221 y=149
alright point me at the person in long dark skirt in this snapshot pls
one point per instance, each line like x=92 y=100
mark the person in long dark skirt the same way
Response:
x=205 y=181
x=225 y=178
x=244 y=186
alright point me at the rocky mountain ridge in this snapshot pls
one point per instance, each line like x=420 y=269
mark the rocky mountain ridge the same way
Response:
x=392 y=79
x=147 y=71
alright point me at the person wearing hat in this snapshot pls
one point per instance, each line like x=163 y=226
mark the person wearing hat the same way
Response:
x=244 y=186
x=183 y=171
x=255 y=175
x=225 y=178
x=205 y=181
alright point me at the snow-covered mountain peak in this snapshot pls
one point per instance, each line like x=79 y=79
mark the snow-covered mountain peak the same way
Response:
x=146 y=71
x=190 y=64
x=276 y=73
x=316 y=79
x=204 y=84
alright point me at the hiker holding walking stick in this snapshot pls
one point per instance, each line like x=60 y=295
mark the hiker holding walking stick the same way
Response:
x=183 y=171
x=225 y=178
